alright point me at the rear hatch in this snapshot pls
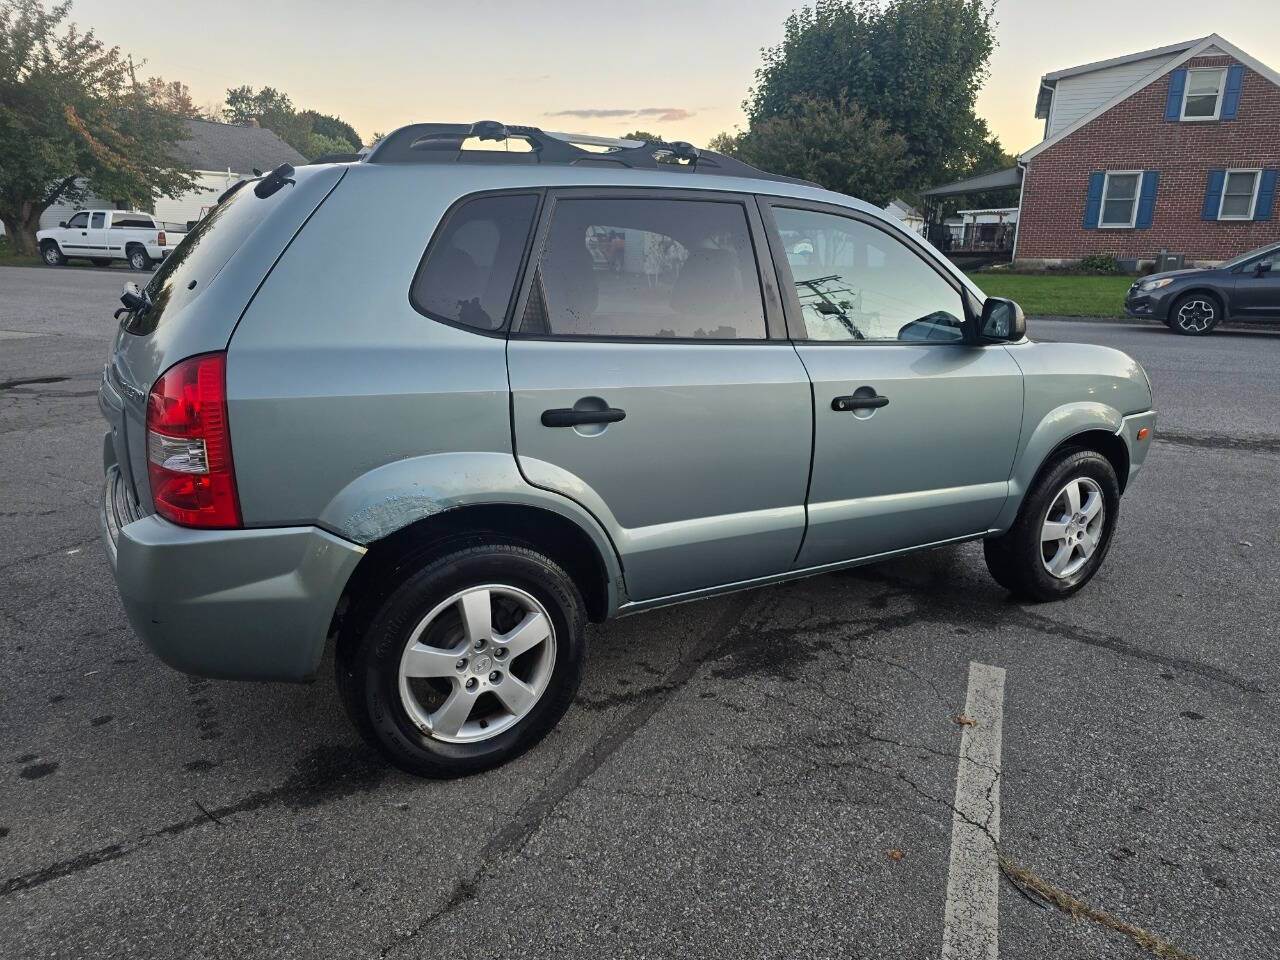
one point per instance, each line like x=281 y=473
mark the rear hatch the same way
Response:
x=197 y=296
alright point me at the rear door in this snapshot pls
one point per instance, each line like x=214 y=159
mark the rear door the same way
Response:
x=915 y=429
x=646 y=385
x=96 y=236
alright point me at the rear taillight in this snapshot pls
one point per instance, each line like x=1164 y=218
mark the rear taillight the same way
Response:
x=189 y=446
x=160 y=238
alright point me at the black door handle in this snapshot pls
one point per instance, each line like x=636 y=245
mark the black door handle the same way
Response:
x=854 y=402
x=569 y=417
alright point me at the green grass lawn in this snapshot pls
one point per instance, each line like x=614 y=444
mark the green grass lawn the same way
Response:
x=1048 y=295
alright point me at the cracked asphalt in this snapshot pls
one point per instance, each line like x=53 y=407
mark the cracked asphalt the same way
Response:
x=735 y=773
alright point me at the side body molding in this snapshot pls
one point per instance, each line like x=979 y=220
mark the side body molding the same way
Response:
x=389 y=498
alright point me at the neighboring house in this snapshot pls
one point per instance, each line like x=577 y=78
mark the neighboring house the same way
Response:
x=1175 y=148
x=911 y=218
x=219 y=153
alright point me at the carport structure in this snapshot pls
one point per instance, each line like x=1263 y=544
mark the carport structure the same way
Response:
x=1001 y=244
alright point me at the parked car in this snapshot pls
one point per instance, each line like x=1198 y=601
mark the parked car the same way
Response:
x=105 y=235
x=1193 y=302
x=445 y=452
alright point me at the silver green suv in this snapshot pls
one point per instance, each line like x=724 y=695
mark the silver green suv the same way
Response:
x=442 y=407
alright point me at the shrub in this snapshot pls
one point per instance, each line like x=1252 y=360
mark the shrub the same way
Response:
x=1099 y=263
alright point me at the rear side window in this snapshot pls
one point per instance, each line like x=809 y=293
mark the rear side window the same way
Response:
x=99 y=219
x=657 y=269
x=469 y=273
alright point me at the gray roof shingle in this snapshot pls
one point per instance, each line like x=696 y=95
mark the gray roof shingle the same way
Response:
x=223 y=146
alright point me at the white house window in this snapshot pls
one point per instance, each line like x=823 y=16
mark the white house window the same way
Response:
x=1203 y=97
x=1239 y=194
x=1120 y=199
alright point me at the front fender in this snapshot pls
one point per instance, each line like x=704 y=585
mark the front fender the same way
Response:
x=389 y=498
x=1070 y=389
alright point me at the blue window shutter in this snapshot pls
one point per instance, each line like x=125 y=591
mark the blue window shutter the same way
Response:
x=1147 y=199
x=1213 y=195
x=1177 y=85
x=1231 y=98
x=1266 y=195
x=1093 y=201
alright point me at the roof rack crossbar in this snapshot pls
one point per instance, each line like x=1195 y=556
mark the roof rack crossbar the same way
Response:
x=443 y=143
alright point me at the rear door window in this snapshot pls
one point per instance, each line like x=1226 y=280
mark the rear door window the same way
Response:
x=654 y=269
x=469 y=274
x=99 y=220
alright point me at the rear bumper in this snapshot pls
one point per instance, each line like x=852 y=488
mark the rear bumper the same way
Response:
x=235 y=604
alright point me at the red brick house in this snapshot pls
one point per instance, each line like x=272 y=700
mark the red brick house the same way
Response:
x=1175 y=148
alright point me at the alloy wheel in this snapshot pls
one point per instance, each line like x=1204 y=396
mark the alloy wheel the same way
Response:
x=1072 y=528
x=477 y=663
x=1197 y=315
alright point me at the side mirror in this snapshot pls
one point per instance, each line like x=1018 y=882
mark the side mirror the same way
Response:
x=1261 y=268
x=62 y=224
x=1002 y=321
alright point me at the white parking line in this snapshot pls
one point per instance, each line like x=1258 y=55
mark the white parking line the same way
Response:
x=970 y=928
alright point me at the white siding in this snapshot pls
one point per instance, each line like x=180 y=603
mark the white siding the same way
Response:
x=1077 y=96
x=188 y=205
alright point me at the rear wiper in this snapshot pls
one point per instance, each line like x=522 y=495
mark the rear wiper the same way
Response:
x=273 y=181
x=135 y=301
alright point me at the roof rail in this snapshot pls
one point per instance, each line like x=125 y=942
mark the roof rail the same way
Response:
x=443 y=143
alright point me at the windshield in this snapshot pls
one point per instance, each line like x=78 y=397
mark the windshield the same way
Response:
x=1246 y=257
x=203 y=252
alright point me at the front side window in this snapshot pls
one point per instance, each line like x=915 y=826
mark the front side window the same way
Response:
x=1120 y=200
x=469 y=273
x=1239 y=192
x=662 y=269
x=81 y=219
x=857 y=282
x=1203 y=98
x=99 y=219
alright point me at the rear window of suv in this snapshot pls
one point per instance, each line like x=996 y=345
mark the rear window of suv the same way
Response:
x=469 y=273
x=203 y=252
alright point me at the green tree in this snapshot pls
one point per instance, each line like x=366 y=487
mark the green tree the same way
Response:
x=833 y=143
x=311 y=133
x=916 y=65
x=332 y=128
x=173 y=96
x=72 y=109
x=640 y=135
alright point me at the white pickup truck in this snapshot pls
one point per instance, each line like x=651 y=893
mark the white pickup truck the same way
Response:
x=106 y=235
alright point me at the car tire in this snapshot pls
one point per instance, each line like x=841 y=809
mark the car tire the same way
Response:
x=1031 y=560
x=436 y=690
x=1195 y=314
x=138 y=258
x=52 y=254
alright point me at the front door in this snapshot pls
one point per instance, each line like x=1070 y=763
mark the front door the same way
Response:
x=645 y=386
x=915 y=430
x=75 y=238
x=1257 y=292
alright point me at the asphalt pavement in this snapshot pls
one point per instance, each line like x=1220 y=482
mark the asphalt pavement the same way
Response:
x=768 y=774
